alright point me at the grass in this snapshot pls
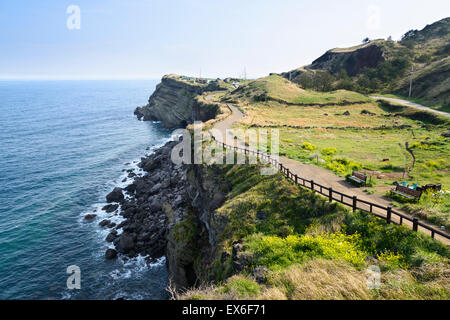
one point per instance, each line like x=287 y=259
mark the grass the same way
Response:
x=370 y=136
x=389 y=158
x=313 y=249
x=275 y=114
x=277 y=253
x=278 y=88
x=433 y=207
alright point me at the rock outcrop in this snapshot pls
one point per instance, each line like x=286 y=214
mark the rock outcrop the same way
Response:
x=353 y=61
x=175 y=103
x=170 y=211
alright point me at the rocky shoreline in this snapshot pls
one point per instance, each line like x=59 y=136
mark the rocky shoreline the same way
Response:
x=144 y=205
x=165 y=198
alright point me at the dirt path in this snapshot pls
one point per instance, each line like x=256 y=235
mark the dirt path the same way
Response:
x=412 y=104
x=319 y=175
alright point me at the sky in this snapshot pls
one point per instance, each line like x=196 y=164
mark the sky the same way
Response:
x=145 y=39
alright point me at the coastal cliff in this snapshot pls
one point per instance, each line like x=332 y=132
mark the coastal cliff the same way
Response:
x=175 y=103
x=170 y=211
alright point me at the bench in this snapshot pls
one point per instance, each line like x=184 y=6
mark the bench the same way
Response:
x=358 y=177
x=407 y=192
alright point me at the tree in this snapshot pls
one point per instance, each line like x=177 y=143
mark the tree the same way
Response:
x=366 y=40
x=409 y=35
x=389 y=38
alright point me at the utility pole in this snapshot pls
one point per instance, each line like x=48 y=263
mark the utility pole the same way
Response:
x=410 y=81
x=245 y=73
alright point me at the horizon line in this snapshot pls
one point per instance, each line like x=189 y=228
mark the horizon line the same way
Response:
x=69 y=78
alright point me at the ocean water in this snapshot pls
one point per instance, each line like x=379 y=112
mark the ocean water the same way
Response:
x=63 y=146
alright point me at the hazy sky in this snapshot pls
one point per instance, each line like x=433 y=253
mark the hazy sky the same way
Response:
x=150 y=38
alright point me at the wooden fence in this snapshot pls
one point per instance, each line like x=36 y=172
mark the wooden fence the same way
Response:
x=386 y=213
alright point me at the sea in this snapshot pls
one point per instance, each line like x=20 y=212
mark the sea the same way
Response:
x=64 y=145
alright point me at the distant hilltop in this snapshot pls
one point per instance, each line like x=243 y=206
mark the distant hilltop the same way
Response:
x=385 y=66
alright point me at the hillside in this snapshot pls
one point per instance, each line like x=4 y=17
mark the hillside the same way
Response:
x=385 y=66
x=341 y=131
x=270 y=239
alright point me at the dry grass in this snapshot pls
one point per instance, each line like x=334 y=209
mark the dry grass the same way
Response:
x=324 y=280
x=276 y=114
x=320 y=279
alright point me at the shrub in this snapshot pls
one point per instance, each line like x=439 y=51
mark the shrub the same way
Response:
x=432 y=164
x=308 y=146
x=342 y=165
x=328 y=151
x=242 y=287
x=391 y=259
x=376 y=236
x=278 y=253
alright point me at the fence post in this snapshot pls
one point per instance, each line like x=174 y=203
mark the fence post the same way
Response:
x=415 y=224
x=354 y=203
x=287 y=172
x=312 y=185
x=388 y=215
x=281 y=167
x=330 y=195
x=296 y=177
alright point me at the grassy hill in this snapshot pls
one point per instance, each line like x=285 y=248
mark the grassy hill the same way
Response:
x=344 y=130
x=385 y=66
x=279 y=241
x=277 y=88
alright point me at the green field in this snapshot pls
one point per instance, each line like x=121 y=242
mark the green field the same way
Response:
x=370 y=136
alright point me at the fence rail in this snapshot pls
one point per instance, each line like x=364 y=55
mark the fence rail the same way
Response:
x=386 y=213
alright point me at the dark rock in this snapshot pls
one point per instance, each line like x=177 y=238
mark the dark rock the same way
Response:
x=224 y=257
x=121 y=225
x=367 y=112
x=446 y=134
x=150 y=165
x=110 y=208
x=261 y=215
x=110 y=254
x=131 y=188
x=260 y=274
x=125 y=244
x=111 y=225
x=104 y=223
x=155 y=188
x=346 y=113
x=110 y=237
x=115 y=196
x=89 y=217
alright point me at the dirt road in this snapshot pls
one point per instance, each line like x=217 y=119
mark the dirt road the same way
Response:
x=412 y=104
x=318 y=174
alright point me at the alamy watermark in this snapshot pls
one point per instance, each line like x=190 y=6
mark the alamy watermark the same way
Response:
x=74 y=280
x=373 y=277
x=373 y=17
x=252 y=141
x=74 y=20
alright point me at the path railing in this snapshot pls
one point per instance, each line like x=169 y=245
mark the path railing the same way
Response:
x=386 y=213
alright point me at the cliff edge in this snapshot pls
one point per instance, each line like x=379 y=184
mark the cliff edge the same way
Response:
x=175 y=103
